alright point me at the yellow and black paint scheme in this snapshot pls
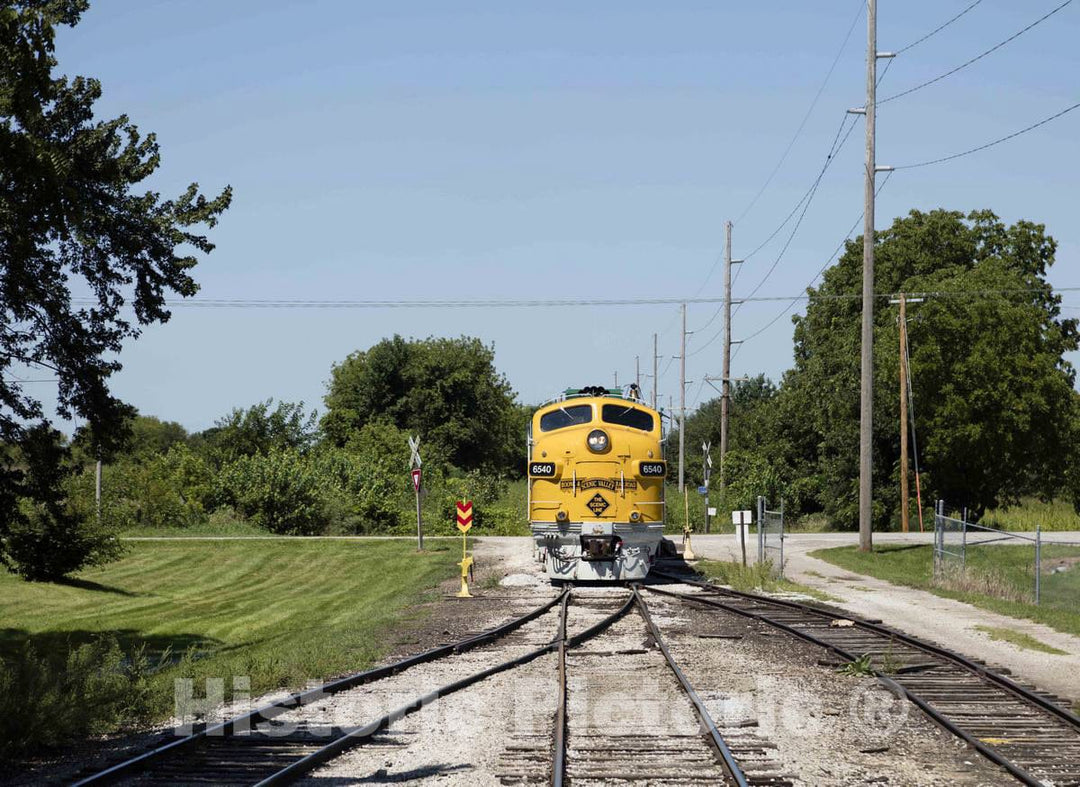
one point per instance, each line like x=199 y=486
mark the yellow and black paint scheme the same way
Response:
x=596 y=484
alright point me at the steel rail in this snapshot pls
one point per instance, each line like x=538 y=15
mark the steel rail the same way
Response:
x=950 y=655
x=268 y=712
x=987 y=751
x=360 y=735
x=558 y=759
x=731 y=765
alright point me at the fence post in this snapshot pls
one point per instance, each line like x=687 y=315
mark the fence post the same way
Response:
x=963 y=541
x=781 y=538
x=937 y=538
x=1038 y=561
x=760 y=529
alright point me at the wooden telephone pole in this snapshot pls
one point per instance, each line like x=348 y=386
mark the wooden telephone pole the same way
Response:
x=903 y=417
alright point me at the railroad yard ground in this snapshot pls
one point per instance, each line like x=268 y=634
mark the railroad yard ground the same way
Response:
x=782 y=696
x=949 y=622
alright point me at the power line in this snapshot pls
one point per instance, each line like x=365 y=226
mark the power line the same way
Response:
x=572 y=302
x=937 y=30
x=1032 y=127
x=806 y=117
x=787 y=150
x=828 y=262
x=975 y=59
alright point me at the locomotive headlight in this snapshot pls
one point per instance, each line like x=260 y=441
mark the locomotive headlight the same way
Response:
x=598 y=441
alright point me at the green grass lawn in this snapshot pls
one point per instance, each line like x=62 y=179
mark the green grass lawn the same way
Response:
x=281 y=612
x=912 y=565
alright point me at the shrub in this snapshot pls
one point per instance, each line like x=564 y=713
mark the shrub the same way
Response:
x=282 y=491
x=45 y=702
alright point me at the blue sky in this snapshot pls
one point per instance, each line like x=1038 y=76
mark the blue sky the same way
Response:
x=489 y=149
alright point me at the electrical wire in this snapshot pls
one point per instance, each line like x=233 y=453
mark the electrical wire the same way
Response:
x=804 y=203
x=806 y=117
x=828 y=262
x=1032 y=127
x=937 y=30
x=572 y=302
x=973 y=60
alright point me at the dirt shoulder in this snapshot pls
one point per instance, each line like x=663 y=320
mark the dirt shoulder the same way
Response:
x=944 y=621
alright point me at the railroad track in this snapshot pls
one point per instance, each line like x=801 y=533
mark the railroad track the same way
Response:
x=1028 y=733
x=627 y=714
x=610 y=663
x=248 y=749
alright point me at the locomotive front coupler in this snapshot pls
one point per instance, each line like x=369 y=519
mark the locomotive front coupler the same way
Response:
x=600 y=547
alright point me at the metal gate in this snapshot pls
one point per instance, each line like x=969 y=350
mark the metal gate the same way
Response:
x=771 y=536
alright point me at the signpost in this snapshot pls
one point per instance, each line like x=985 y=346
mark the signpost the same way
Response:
x=707 y=464
x=464 y=522
x=414 y=448
x=742 y=520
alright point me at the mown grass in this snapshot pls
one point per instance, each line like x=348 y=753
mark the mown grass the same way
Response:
x=278 y=612
x=757 y=576
x=913 y=566
x=1020 y=639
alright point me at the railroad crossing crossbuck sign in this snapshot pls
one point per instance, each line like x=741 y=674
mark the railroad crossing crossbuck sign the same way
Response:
x=464 y=515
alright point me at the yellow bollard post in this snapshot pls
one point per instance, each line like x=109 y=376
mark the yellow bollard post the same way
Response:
x=688 y=552
x=466 y=563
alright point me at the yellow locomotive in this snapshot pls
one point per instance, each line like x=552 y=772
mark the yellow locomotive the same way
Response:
x=596 y=484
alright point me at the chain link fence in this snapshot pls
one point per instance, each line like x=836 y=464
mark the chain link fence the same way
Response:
x=771 y=536
x=1027 y=567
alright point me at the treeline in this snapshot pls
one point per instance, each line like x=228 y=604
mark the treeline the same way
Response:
x=281 y=468
x=996 y=414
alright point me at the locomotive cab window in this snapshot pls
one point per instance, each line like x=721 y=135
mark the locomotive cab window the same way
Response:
x=627 y=416
x=566 y=416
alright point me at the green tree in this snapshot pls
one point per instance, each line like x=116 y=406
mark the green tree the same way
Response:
x=282 y=490
x=992 y=391
x=49 y=534
x=259 y=429
x=72 y=221
x=446 y=390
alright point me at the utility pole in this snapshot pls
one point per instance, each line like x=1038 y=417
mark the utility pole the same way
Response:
x=637 y=371
x=903 y=416
x=905 y=408
x=725 y=379
x=97 y=490
x=866 y=393
x=616 y=378
x=655 y=364
x=682 y=403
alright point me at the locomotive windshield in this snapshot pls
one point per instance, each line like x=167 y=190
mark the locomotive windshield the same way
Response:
x=627 y=416
x=566 y=416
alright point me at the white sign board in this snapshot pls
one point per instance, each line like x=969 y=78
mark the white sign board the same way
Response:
x=414 y=448
x=742 y=517
x=712 y=511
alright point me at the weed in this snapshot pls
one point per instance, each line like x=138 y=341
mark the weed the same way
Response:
x=757 y=576
x=890 y=664
x=862 y=667
x=1020 y=639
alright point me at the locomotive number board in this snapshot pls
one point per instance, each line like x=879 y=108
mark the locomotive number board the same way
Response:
x=542 y=469
x=654 y=469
